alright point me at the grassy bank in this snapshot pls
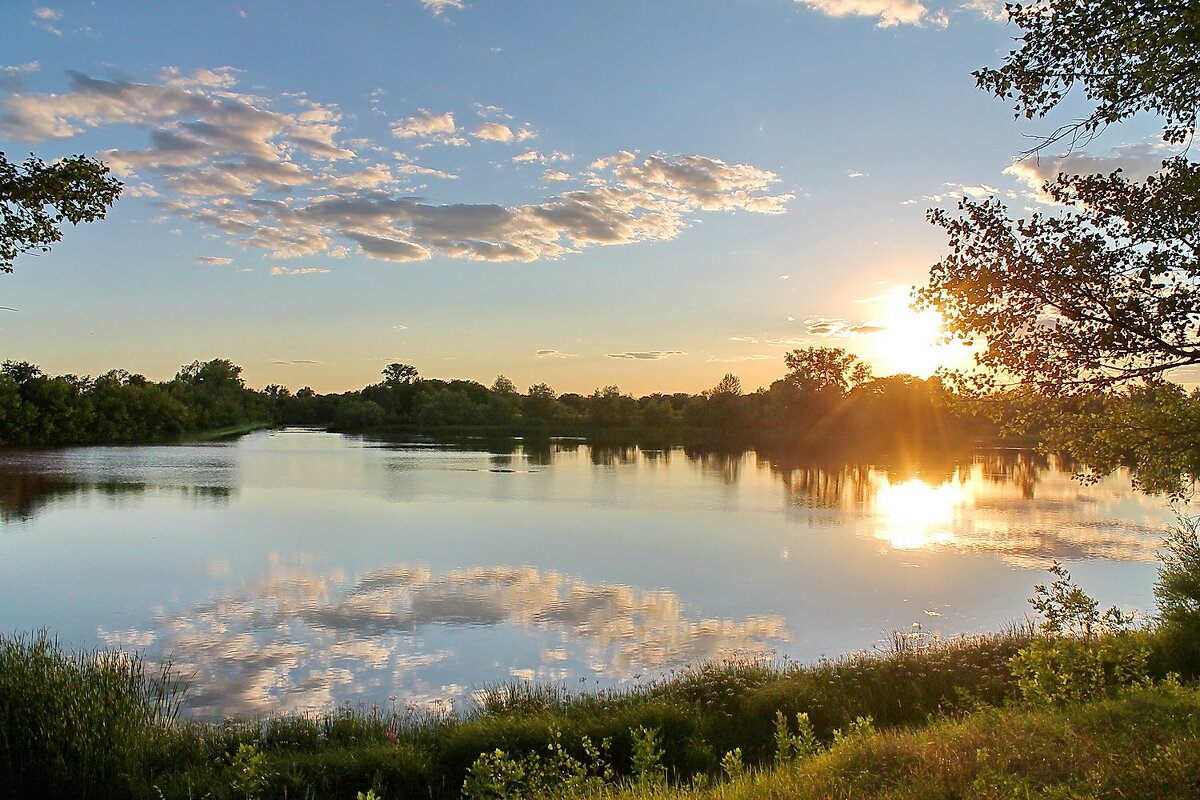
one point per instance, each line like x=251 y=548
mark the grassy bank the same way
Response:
x=103 y=725
x=1144 y=743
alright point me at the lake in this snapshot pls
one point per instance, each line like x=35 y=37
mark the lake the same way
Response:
x=296 y=569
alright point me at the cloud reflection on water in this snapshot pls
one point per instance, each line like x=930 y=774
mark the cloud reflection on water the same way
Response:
x=302 y=637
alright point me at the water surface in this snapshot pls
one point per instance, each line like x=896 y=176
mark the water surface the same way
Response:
x=296 y=569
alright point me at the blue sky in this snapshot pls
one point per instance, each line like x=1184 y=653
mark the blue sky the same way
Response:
x=648 y=194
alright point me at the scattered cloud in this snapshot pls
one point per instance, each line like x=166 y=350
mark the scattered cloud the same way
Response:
x=853 y=173
x=438 y=6
x=838 y=328
x=889 y=12
x=12 y=79
x=399 y=327
x=958 y=190
x=300 y=271
x=417 y=169
x=552 y=175
x=533 y=156
x=45 y=18
x=989 y=9
x=554 y=354
x=497 y=132
x=621 y=157
x=1136 y=162
x=425 y=123
x=741 y=359
x=214 y=260
x=646 y=355
x=294 y=362
x=282 y=180
x=494 y=132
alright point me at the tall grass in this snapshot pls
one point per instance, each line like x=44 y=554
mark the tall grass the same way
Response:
x=1143 y=743
x=77 y=723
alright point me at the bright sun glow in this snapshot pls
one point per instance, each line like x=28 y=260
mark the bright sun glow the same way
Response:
x=915 y=514
x=909 y=342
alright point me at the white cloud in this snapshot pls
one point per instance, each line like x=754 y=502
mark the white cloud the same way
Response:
x=213 y=260
x=282 y=180
x=493 y=132
x=1136 y=162
x=417 y=169
x=294 y=362
x=552 y=175
x=646 y=355
x=554 y=354
x=425 y=123
x=622 y=157
x=43 y=17
x=853 y=173
x=533 y=156
x=889 y=12
x=741 y=359
x=300 y=271
x=438 y=6
x=399 y=327
x=838 y=328
x=989 y=9
x=957 y=190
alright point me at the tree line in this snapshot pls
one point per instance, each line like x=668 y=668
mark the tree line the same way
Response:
x=825 y=395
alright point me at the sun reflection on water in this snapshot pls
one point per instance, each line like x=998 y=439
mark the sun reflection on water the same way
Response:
x=916 y=514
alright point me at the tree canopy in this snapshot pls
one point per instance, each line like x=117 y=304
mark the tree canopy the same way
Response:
x=36 y=198
x=1105 y=293
x=1126 y=56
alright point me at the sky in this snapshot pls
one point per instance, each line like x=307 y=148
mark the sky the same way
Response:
x=646 y=193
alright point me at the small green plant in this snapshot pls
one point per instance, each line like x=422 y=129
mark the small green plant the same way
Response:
x=789 y=746
x=858 y=727
x=648 y=769
x=370 y=795
x=732 y=764
x=499 y=776
x=1066 y=670
x=1068 y=610
x=249 y=769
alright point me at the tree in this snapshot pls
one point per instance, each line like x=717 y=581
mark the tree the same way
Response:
x=399 y=374
x=1091 y=298
x=729 y=385
x=821 y=369
x=36 y=198
x=1127 y=56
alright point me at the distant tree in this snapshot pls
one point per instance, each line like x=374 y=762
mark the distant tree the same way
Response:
x=399 y=374
x=731 y=385
x=540 y=403
x=1126 y=56
x=504 y=386
x=36 y=198
x=825 y=369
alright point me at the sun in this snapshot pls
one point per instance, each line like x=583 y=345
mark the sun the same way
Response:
x=911 y=342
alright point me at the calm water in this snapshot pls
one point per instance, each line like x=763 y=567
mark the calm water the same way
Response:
x=296 y=569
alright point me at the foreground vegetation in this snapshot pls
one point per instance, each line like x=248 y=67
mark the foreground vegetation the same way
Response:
x=1085 y=706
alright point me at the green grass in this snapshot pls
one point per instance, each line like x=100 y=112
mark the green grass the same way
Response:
x=1144 y=743
x=78 y=723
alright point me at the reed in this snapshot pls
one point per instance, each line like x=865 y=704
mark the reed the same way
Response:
x=78 y=723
